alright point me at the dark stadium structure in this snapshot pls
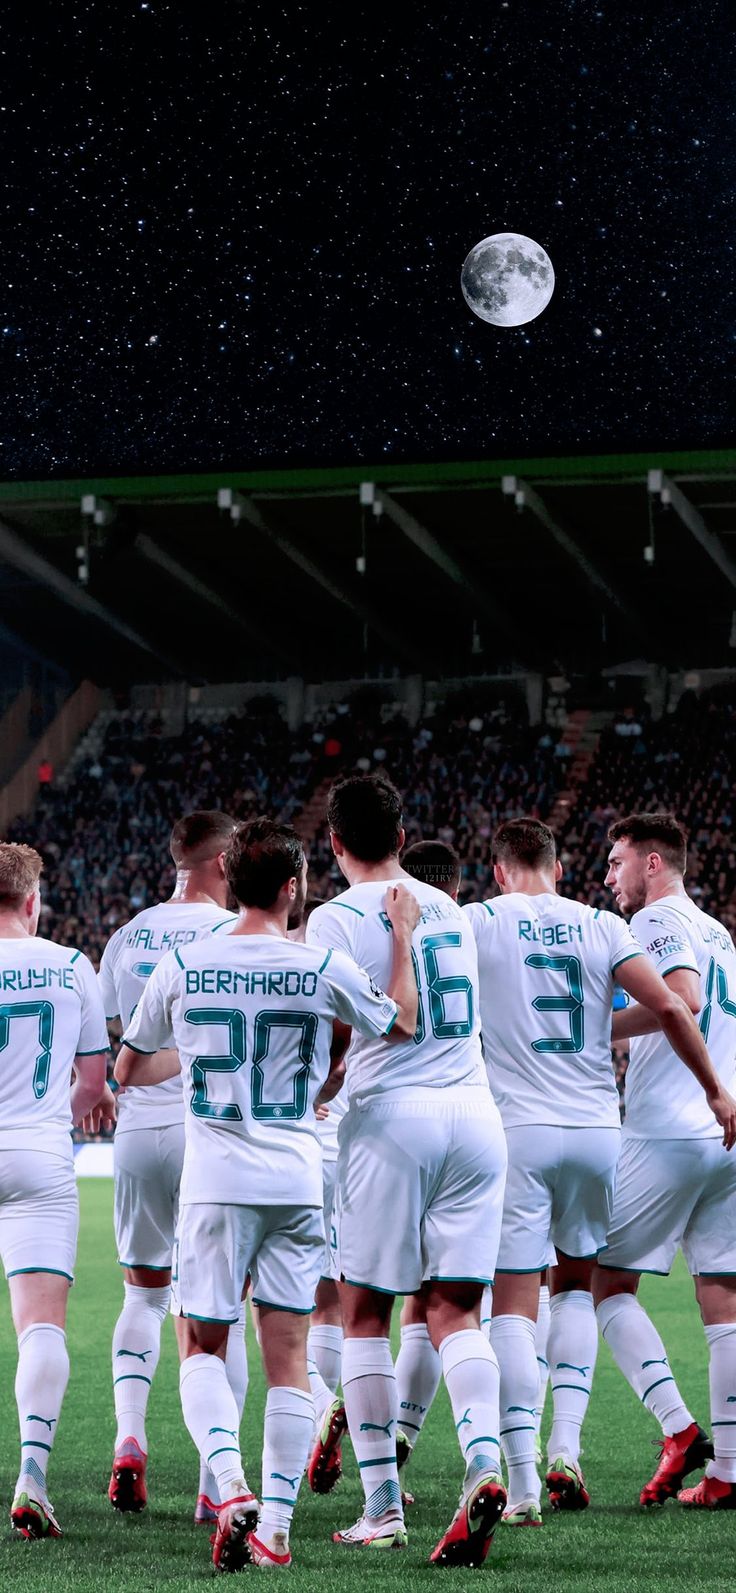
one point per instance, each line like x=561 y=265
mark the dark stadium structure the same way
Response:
x=448 y=569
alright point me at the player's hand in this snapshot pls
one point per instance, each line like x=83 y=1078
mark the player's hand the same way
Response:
x=402 y=909
x=723 y=1107
x=103 y=1116
x=321 y=1112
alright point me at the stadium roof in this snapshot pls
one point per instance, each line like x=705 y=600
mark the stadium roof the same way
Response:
x=442 y=569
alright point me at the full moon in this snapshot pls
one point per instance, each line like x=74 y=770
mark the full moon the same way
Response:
x=507 y=279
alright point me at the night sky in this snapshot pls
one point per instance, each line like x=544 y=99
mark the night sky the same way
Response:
x=237 y=240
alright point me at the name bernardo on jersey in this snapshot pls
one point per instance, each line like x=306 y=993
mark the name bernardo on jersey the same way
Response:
x=253 y=982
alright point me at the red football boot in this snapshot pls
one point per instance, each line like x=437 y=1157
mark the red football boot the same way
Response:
x=711 y=1493
x=682 y=1453
x=127 y=1490
x=325 y=1465
x=470 y=1533
x=236 y=1519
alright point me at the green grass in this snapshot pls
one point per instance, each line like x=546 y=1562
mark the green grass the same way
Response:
x=611 y=1548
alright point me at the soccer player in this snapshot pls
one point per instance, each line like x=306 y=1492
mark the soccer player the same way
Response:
x=51 y=1021
x=418 y=1369
x=324 y=1340
x=421 y=1166
x=676 y=1182
x=149 y=1150
x=547 y=968
x=252 y=1016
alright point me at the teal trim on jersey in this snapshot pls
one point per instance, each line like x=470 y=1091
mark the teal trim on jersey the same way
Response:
x=178 y=958
x=296 y=1310
x=348 y=909
x=131 y=1377
x=354 y=1284
x=99 y=1050
x=148 y=1265
x=55 y=1272
x=650 y=1390
x=487 y=1282
x=519 y=1272
x=649 y=1272
x=136 y=1048
x=489 y=909
x=111 y=1017
x=627 y=958
x=231 y=920
x=323 y=965
x=76 y=954
x=688 y=967
x=702 y=1274
x=222 y=1321
x=390 y=1027
x=597 y=913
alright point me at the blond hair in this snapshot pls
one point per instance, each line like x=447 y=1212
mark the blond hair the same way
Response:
x=20 y=871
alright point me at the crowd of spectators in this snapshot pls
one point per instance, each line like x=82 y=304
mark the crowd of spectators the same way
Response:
x=463 y=768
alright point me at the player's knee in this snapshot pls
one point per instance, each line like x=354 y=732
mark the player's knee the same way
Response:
x=606 y=1282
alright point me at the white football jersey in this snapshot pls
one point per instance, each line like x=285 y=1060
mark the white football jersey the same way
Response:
x=50 y=1012
x=445 y=1050
x=128 y=961
x=546 y=968
x=663 y=1099
x=252 y=1020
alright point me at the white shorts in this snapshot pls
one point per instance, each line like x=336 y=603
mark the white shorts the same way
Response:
x=559 y=1191
x=330 y=1268
x=148 y=1163
x=420 y=1191
x=672 y=1193
x=218 y=1246
x=39 y=1213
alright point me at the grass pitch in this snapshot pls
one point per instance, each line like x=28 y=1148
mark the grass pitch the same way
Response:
x=611 y=1548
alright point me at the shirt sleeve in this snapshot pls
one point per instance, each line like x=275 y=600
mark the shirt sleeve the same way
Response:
x=106 y=981
x=330 y=926
x=479 y=916
x=358 y=999
x=664 y=936
x=149 y=1029
x=622 y=943
x=93 y=1036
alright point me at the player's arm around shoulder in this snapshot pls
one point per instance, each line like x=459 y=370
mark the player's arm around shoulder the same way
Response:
x=145 y=1057
x=663 y=938
x=677 y=1022
x=375 y=1013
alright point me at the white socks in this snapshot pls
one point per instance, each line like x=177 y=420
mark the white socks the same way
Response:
x=371 y=1406
x=40 y=1385
x=324 y=1348
x=213 y=1421
x=541 y=1338
x=287 y=1440
x=640 y=1354
x=236 y=1366
x=136 y=1347
x=572 y=1351
x=722 y=1344
x=513 y=1339
x=486 y=1311
x=470 y=1370
x=418 y=1373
